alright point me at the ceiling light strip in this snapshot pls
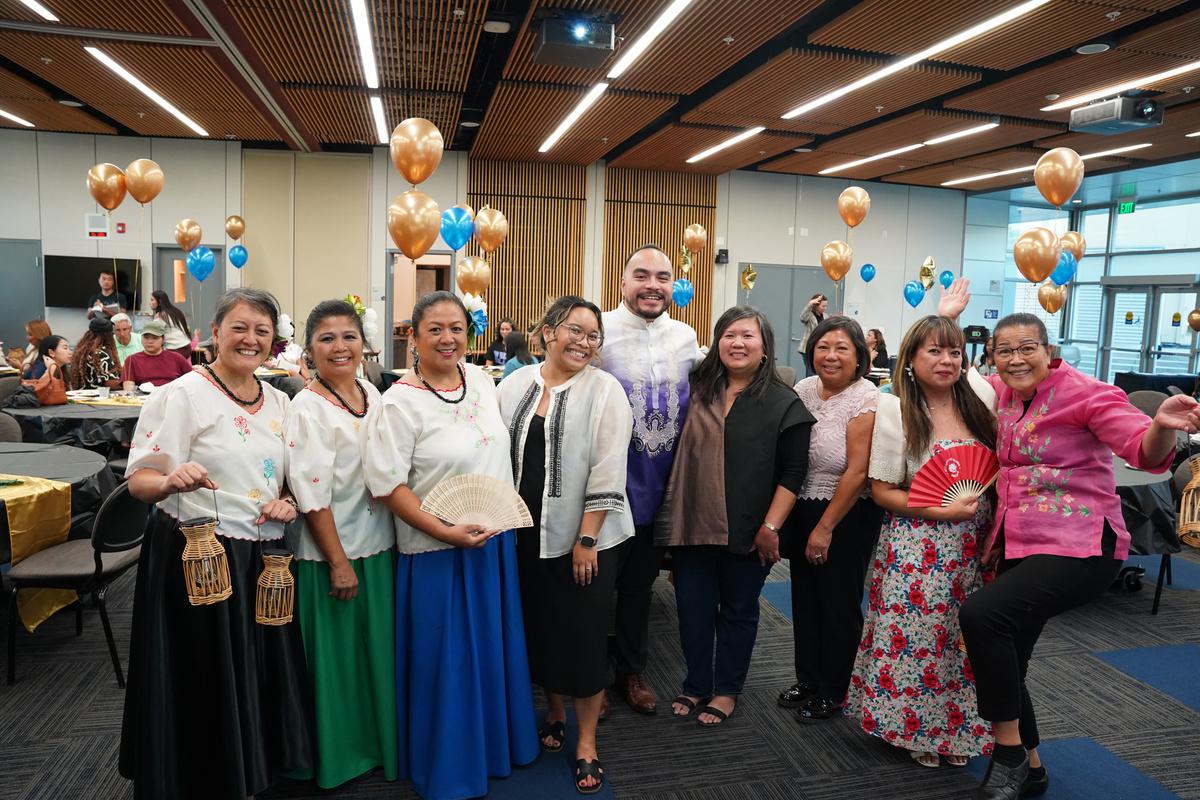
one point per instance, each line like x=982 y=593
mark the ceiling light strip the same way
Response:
x=1193 y=134
x=584 y=104
x=1030 y=167
x=381 y=129
x=730 y=142
x=849 y=164
x=906 y=62
x=133 y=81
x=1117 y=88
x=646 y=39
x=950 y=137
x=366 y=49
x=16 y=119
x=40 y=10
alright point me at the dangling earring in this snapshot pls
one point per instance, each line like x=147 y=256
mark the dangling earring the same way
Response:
x=908 y=370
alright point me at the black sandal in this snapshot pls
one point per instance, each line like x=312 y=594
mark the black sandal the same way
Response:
x=687 y=703
x=552 y=730
x=716 y=712
x=588 y=769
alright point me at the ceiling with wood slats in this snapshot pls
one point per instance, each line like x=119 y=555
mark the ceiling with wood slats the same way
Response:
x=996 y=161
x=288 y=72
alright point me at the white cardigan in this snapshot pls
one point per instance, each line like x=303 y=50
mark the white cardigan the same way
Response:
x=588 y=427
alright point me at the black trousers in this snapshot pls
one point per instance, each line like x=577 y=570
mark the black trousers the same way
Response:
x=1002 y=621
x=827 y=616
x=638 y=565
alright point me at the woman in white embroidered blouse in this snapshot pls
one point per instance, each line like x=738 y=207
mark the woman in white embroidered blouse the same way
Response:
x=210 y=443
x=464 y=702
x=345 y=597
x=834 y=525
x=570 y=426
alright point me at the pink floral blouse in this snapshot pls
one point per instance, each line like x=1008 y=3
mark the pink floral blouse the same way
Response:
x=1056 y=485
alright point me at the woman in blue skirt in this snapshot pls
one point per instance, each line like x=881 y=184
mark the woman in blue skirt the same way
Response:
x=464 y=700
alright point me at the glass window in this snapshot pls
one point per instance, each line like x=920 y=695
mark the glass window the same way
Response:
x=1166 y=225
x=1087 y=353
x=1095 y=230
x=1156 y=263
x=1020 y=297
x=1090 y=269
x=1023 y=218
x=1084 y=303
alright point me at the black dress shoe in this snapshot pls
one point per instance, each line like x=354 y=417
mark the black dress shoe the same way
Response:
x=818 y=709
x=1035 y=786
x=1002 y=782
x=795 y=696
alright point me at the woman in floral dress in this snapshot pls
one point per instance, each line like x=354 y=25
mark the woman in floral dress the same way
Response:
x=912 y=686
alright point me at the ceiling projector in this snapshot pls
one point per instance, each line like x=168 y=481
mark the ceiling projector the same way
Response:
x=1117 y=115
x=576 y=43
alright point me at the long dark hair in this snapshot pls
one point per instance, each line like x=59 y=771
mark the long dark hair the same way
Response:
x=708 y=378
x=880 y=344
x=48 y=344
x=914 y=408
x=167 y=309
x=499 y=342
x=517 y=347
x=85 y=352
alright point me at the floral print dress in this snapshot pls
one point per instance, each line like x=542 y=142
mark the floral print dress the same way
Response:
x=912 y=685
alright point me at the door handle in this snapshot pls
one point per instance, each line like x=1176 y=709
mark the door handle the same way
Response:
x=797 y=339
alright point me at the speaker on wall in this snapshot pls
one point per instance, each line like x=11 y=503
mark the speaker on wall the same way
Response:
x=722 y=256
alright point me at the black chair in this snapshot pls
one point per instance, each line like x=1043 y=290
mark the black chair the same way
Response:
x=8 y=385
x=86 y=566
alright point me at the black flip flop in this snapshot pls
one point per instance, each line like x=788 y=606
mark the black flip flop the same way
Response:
x=556 y=731
x=589 y=769
x=714 y=711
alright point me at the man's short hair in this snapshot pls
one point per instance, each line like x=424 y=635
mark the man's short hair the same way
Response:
x=646 y=247
x=122 y=317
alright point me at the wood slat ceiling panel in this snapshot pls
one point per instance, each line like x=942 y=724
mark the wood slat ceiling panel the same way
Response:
x=1169 y=140
x=1025 y=93
x=902 y=28
x=31 y=103
x=798 y=75
x=188 y=77
x=1178 y=37
x=302 y=41
x=990 y=162
x=441 y=109
x=670 y=147
x=132 y=16
x=812 y=163
x=521 y=116
x=423 y=44
x=343 y=116
x=929 y=124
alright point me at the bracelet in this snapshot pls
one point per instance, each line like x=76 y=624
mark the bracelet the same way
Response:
x=770 y=527
x=291 y=501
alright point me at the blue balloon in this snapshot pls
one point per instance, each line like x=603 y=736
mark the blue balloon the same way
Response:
x=946 y=278
x=1065 y=270
x=457 y=227
x=200 y=263
x=682 y=292
x=867 y=272
x=238 y=256
x=914 y=293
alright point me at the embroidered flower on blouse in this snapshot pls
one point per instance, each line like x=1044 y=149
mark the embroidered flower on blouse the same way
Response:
x=268 y=468
x=277 y=429
x=255 y=495
x=156 y=448
x=242 y=427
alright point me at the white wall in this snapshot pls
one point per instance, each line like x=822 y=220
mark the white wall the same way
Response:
x=984 y=245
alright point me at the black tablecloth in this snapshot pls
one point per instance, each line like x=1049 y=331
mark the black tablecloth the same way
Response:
x=88 y=473
x=77 y=423
x=1148 y=508
x=1135 y=381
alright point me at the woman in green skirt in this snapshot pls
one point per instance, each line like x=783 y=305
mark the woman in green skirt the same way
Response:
x=345 y=584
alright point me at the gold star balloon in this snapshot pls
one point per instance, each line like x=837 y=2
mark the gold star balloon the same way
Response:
x=685 y=260
x=748 y=277
x=926 y=273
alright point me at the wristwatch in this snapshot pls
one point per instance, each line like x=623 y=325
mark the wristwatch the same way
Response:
x=588 y=541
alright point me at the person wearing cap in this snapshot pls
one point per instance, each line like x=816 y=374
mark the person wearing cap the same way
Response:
x=95 y=362
x=127 y=343
x=154 y=364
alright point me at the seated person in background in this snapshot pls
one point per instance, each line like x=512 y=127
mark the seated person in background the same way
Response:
x=516 y=347
x=35 y=331
x=497 y=353
x=154 y=364
x=878 y=349
x=127 y=343
x=94 y=364
x=53 y=351
x=108 y=301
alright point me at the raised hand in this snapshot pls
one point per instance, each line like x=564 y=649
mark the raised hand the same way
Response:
x=1179 y=413
x=954 y=300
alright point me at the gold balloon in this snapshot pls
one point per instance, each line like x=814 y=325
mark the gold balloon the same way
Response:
x=187 y=234
x=926 y=273
x=748 y=277
x=1058 y=174
x=144 y=180
x=853 y=205
x=414 y=220
x=491 y=227
x=106 y=182
x=235 y=226
x=1194 y=320
x=416 y=147
x=1036 y=253
x=474 y=275
x=467 y=208
x=1074 y=243
x=695 y=238
x=835 y=259
x=1052 y=297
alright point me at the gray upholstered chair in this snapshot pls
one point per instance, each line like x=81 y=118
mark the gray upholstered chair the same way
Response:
x=786 y=374
x=10 y=429
x=374 y=374
x=8 y=385
x=1147 y=401
x=86 y=566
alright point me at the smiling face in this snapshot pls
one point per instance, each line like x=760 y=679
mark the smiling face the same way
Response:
x=243 y=339
x=505 y=330
x=1022 y=360
x=441 y=336
x=835 y=360
x=337 y=347
x=741 y=347
x=573 y=344
x=937 y=365
x=646 y=283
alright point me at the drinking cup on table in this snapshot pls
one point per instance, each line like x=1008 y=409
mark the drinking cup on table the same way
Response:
x=104 y=392
x=129 y=386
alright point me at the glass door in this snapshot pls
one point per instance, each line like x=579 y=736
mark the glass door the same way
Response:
x=1125 y=328
x=1172 y=344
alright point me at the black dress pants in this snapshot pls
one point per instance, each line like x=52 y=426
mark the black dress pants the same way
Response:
x=638 y=565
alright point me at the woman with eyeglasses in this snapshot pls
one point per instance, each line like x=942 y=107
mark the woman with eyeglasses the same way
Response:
x=570 y=426
x=1059 y=537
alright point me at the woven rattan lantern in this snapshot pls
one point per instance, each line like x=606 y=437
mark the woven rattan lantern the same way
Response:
x=205 y=565
x=1189 y=507
x=276 y=589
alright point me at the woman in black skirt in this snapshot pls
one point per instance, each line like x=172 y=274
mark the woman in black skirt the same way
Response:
x=217 y=705
x=570 y=426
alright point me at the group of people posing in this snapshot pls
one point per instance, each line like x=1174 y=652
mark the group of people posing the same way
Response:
x=417 y=640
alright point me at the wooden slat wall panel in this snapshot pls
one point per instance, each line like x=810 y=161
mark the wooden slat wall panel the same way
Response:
x=644 y=207
x=133 y=16
x=542 y=258
x=31 y=103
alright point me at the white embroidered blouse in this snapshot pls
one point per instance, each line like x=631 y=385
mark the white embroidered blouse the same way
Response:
x=325 y=445
x=415 y=439
x=827 y=441
x=190 y=419
x=588 y=425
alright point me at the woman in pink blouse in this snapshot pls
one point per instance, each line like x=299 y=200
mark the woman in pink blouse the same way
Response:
x=1058 y=536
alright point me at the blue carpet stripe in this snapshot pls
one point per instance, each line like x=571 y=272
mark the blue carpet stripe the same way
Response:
x=1170 y=668
x=1081 y=769
x=1184 y=574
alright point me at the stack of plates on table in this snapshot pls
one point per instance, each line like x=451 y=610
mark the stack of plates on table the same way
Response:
x=80 y=394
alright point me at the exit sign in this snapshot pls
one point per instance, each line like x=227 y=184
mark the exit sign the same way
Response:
x=1126 y=207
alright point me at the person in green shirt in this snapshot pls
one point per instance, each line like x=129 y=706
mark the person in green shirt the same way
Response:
x=127 y=343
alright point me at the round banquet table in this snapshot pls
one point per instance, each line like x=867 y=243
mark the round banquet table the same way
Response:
x=77 y=423
x=1148 y=509
x=88 y=474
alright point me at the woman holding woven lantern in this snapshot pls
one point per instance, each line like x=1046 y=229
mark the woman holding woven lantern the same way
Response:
x=217 y=704
x=344 y=565
x=569 y=462
x=464 y=703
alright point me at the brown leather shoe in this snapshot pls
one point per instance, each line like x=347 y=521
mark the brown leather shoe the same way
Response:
x=637 y=694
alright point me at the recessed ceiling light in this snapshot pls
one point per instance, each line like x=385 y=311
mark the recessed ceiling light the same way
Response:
x=1030 y=167
x=1193 y=134
x=1052 y=97
x=1117 y=88
x=133 y=81
x=906 y=62
x=381 y=129
x=469 y=123
x=586 y=102
x=730 y=142
x=497 y=26
x=949 y=137
x=40 y=10
x=869 y=159
x=366 y=50
x=1092 y=48
x=16 y=119
x=70 y=103
x=646 y=39
x=802 y=149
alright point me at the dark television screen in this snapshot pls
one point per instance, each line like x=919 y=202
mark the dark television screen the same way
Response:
x=71 y=280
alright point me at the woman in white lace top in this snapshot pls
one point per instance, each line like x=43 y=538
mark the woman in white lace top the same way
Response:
x=833 y=527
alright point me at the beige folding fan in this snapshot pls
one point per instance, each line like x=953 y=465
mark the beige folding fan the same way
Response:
x=478 y=500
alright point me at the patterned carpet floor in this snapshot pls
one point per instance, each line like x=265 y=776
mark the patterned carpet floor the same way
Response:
x=1115 y=690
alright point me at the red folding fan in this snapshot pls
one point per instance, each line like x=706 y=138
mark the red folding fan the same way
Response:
x=951 y=474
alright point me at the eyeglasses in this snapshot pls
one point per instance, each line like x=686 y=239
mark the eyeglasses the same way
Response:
x=1006 y=353
x=577 y=334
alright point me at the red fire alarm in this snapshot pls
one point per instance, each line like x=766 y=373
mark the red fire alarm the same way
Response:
x=120 y=227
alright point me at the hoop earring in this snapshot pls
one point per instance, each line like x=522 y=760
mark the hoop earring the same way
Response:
x=762 y=361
